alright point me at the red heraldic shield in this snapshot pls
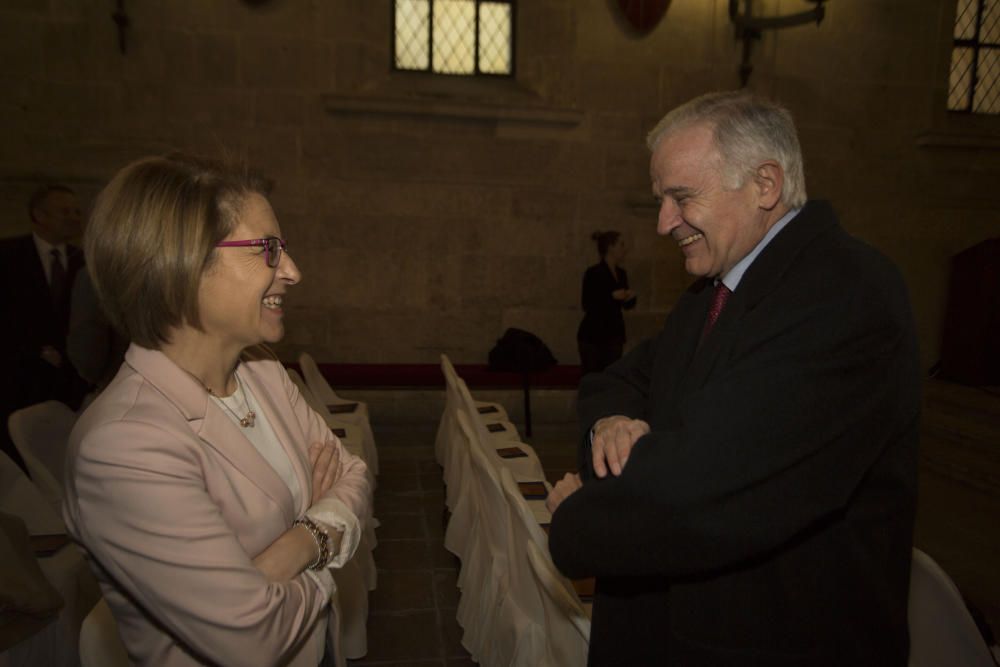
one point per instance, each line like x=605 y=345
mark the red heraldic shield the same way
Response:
x=643 y=15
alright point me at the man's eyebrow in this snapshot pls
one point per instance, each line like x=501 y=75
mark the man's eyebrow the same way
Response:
x=677 y=191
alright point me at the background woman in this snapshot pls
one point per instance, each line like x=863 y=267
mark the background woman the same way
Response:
x=209 y=498
x=601 y=335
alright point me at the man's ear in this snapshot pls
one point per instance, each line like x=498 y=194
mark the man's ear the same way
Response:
x=769 y=179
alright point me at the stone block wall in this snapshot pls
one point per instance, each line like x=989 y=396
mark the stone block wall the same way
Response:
x=430 y=213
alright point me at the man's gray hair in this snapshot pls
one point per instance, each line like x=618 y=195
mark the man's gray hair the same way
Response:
x=747 y=130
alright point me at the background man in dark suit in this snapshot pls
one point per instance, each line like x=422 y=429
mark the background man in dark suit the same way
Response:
x=749 y=476
x=38 y=274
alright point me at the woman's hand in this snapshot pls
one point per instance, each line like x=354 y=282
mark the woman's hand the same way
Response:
x=622 y=294
x=325 y=460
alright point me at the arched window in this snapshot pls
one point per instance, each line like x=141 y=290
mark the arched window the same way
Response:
x=463 y=37
x=975 y=58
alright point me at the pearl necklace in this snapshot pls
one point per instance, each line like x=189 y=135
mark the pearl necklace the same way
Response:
x=251 y=416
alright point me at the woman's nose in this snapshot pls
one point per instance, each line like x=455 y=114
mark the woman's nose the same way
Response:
x=287 y=269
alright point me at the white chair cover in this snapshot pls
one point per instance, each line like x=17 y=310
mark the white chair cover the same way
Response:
x=942 y=632
x=351 y=602
x=100 y=645
x=359 y=575
x=524 y=468
x=511 y=637
x=353 y=440
x=18 y=496
x=447 y=429
x=325 y=393
x=66 y=570
x=459 y=533
x=567 y=628
x=40 y=432
x=522 y=587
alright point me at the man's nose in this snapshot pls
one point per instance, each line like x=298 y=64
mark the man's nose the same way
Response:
x=668 y=217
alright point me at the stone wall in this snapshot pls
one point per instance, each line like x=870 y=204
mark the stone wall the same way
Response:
x=429 y=214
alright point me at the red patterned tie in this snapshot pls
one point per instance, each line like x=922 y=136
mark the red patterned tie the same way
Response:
x=722 y=294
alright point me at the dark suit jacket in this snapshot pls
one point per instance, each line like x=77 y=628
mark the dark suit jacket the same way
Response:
x=767 y=518
x=602 y=320
x=31 y=322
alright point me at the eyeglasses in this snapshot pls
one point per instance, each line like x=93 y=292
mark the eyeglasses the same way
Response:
x=273 y=246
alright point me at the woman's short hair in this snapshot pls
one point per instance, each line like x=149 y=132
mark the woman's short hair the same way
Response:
x=604 y=241
x=747 y=130
x=152 y=234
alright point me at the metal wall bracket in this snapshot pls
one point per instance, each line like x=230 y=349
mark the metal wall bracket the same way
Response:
x=749 y=27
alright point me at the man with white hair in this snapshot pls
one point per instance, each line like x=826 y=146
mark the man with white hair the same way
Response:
x=749 y=476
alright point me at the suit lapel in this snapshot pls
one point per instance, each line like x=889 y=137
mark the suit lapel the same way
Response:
x=210 y=423
x=763 y=276
x=679 y=341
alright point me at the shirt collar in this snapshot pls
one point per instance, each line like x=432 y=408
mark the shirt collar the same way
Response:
x=735 y=275
x=45 y=248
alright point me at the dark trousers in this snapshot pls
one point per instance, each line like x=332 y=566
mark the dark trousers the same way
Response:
x=595 y=357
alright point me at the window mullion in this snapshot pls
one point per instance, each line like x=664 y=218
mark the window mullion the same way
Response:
x=430 y=38
x=475 y=47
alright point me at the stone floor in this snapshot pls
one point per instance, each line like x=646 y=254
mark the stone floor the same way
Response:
x=412 y=612
x=412 y=618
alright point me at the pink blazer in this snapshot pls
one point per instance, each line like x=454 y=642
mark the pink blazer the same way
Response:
x=171 y=502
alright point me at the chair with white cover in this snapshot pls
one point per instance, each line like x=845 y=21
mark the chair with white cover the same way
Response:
x=352 y=438
x=942 y=632
x=509 y=637
x=524 y=528
x=22 y=498
x=566 y=623
x=358 y=416
x=488 y=413
x=447 y=429
x=359 y=575
x=485 y=409
x=523 y=467
x=41 y=432
x=64 y=568
x=100 y=645
x=457 y=477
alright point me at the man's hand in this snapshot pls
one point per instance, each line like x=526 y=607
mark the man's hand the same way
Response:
x=613 y=440
x=563 y=489
x=325 y=462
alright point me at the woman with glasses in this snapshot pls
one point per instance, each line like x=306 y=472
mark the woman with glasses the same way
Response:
x=210 y=499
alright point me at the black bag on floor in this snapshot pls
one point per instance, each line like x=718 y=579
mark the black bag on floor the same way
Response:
x=521 y=351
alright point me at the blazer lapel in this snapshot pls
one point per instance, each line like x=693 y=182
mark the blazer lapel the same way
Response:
x=286 y=428
x=209 y=422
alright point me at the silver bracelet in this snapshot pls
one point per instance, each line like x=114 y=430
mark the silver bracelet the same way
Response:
x=322 y=542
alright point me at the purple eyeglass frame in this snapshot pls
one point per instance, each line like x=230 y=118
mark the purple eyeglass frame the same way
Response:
x=265 y=243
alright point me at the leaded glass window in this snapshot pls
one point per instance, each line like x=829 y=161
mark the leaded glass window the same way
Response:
x=974 y=84
x=464 y=37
